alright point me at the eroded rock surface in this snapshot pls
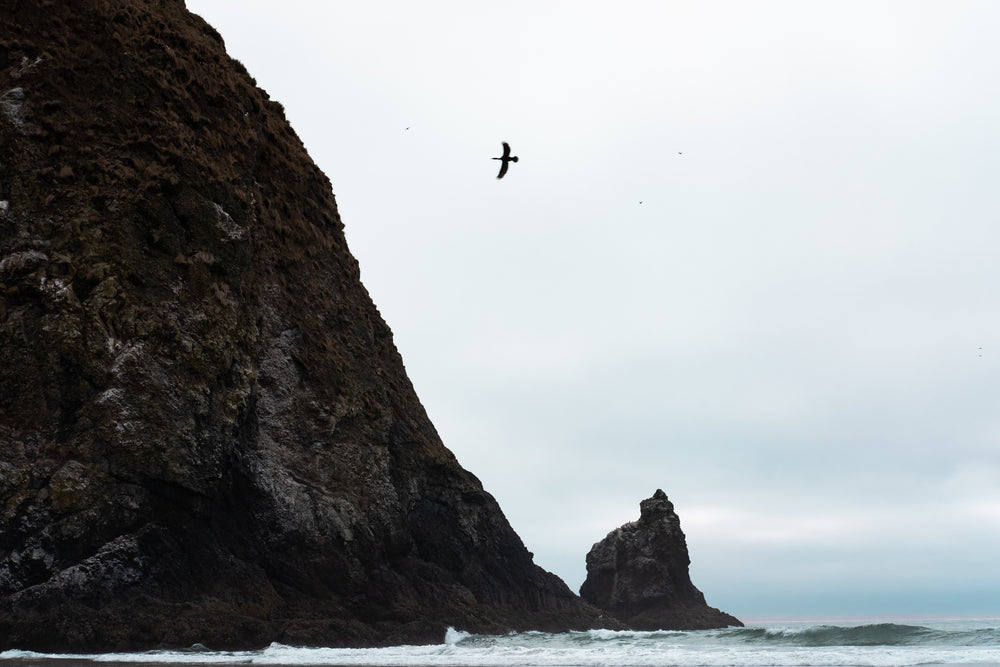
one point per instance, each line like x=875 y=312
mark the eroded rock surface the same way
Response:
x=206 y=432
x=639 y=573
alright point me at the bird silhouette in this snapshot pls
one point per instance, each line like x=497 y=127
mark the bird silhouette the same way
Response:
x=506 y=159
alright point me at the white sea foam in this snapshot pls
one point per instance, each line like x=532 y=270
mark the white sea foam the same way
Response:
x=453 y=636
x=872 y=645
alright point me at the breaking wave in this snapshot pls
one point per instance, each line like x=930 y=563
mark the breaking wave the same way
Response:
x=878 y=634
x=791 y=644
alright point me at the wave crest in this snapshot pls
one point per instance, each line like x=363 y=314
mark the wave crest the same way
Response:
x=876 y=634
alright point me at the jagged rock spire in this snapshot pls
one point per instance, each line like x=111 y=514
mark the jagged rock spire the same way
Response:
x=639 y=574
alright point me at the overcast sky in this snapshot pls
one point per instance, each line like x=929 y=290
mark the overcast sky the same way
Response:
x=749 y=256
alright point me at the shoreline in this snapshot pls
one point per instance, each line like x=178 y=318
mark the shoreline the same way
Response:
x=855 y=642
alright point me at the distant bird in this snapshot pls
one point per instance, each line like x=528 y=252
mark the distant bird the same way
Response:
x=506 y=158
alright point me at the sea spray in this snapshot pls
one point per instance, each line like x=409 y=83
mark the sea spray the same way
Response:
x=453 y=636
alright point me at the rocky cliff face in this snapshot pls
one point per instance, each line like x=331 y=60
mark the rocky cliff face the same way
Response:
x=639 y=573
x=206 y=432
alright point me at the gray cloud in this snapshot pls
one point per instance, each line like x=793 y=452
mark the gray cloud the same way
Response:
x=794 y=334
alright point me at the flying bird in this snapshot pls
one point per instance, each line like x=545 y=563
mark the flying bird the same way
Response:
x=506 y=159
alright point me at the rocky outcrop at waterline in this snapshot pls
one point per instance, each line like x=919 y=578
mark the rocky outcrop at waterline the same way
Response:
x=639 y=573
x=206 y=432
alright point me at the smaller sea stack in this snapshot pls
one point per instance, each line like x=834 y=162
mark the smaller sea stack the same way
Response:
x=639 y=574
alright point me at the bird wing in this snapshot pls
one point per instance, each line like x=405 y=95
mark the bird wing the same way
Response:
x=503 y=169
x=506 y=151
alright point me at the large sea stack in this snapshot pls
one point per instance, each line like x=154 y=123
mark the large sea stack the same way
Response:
x=206 y=432
x=639 y=573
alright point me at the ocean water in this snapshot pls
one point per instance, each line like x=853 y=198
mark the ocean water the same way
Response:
x=875 y=643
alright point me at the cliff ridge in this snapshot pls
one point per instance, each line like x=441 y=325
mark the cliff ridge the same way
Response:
x=206 y=431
